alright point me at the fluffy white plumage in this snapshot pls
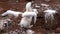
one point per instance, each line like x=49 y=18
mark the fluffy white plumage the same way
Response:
x=49 y=15
x=31 y=14
x=14 y=13
x=50 y=11
x=28 y=6
x=35 y=10
x=27 y=17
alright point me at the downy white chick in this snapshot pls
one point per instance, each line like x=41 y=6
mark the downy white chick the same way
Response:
x=27 y=18
x=49 y=14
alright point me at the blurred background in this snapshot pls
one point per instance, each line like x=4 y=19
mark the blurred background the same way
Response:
x=40 y=27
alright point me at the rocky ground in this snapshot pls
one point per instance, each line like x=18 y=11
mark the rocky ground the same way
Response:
x=40 y=27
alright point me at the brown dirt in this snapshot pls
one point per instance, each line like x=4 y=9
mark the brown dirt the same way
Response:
x=40 y=27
